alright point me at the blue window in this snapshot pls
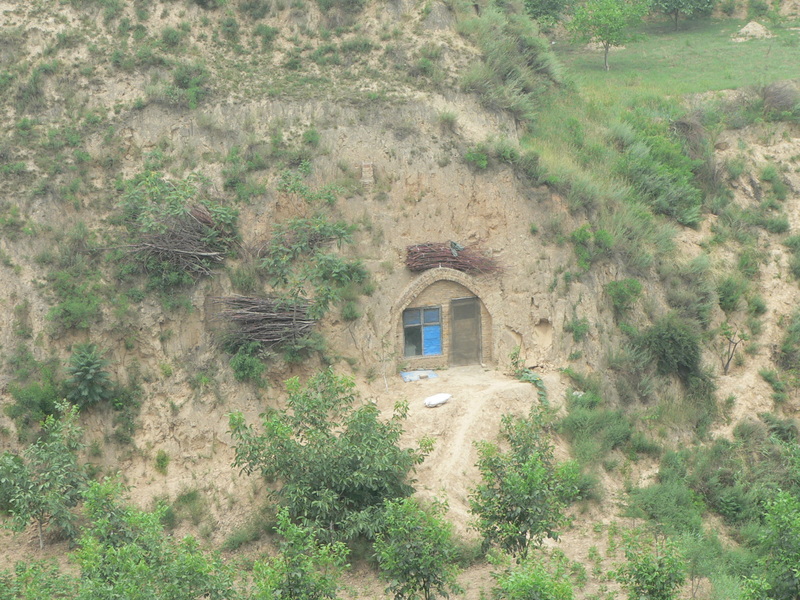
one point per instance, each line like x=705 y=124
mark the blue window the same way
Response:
x=422 y=331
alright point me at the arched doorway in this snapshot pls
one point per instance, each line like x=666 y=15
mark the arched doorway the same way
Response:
x=442 y=321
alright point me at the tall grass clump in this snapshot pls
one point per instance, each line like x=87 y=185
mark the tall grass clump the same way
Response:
x=658 y=165
x=690 y=288
x=789 y=352
x=516 y=64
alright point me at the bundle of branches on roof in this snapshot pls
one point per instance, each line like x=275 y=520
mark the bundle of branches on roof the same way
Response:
x=268 y=321
x=452 y=255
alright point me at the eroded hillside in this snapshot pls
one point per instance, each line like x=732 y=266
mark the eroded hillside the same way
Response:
x=405 y=121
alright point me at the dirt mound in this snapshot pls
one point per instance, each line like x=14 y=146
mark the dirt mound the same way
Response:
x=752 y=31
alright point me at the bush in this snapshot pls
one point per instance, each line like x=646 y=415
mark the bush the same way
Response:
x=350 y=311
x=230 y=29
x=171 y=37
x=247 y=365
x=162 y=462
x=477 y=157
x=209 y=4
x=674 y=343
x=33 y=402
x=577 y=327
x=88 y=383
x=594 y=432
x=623 y=294
x=652 y=574
x=661 y=172
x=267 y=34
x=254 y=9
x=671 y=504
x=530 y=580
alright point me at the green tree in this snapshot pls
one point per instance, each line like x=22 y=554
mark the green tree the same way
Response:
x=687 y=8
x=304 y=569
x=607 y=22
x=45 y=482
x=652 y=574
x=781 y=542
x=416 y=551
x=523 y=492
x=123 y=553
x=547 y=12
x=335 y=458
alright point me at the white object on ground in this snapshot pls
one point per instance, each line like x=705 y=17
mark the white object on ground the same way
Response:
x=437 y=400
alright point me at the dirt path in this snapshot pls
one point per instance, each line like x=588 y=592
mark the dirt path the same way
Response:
x=480 y=397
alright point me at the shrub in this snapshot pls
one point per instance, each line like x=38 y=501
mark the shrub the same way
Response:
x=530 y=580
x=33 y=402
x=209 y=4
x=88 y=383
x=171 y=37
x=230 y=28
x=311 y=137
x=162 y=462
x=595 y=431
x=350 y=311
x=671 y=504
x=652 y=574
x=756 y=305
x=267 y=34
x=247 y=365
x=623 y=294
x=577 y=327
x=448 y=121
x=254 y=9
x=690 y=289
x=674 y=343
x=189 y=85
x=591 y=246
x=477 y=157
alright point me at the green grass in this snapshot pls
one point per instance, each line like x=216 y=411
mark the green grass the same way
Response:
x=699 y=57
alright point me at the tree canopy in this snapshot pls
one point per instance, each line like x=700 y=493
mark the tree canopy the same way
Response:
x=416 y=551
x=523 y=492
x=687 y=8
x=45 y=482
x=335 y=458
x=607 y=22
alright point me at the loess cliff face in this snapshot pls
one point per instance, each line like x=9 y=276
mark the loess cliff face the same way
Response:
x=92 y=98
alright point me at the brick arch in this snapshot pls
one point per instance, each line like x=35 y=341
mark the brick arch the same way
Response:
x=430 y=277
x=426 y=280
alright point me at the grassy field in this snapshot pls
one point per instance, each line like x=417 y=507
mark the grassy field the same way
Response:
x=699 y=57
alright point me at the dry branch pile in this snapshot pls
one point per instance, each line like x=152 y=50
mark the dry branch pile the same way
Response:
x=190 y=242
x=270 y=321
x=422 y=257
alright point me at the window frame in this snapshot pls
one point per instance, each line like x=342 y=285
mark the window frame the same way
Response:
x=420 y=326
